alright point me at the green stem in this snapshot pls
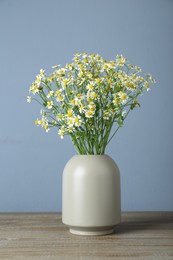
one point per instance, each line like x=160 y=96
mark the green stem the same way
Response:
x=75 y=143
x=106 y=137
x=118 y=127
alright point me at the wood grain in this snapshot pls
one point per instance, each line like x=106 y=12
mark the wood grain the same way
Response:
x=42 y=236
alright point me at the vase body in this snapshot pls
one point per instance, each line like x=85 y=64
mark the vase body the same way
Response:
x=91 y=195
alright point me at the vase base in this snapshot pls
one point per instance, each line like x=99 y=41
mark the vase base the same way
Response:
x=95 y=231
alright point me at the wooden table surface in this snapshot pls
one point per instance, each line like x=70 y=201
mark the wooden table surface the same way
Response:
x=42 y=236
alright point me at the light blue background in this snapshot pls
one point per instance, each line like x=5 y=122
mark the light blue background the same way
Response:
x=39 y=34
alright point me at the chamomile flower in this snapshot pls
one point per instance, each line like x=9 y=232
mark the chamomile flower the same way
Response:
x=138 y=69
x=38 y=80
x=116 y=100
x=81 y=74
x=77 y=121
x=89 y=75
x=55 y=66
x=85 y=60
x=49 y=104
x=136 y=103
x=151 y=79
x=90 y=86
x=42 y=73
x=29 y=99
x=123 y=97
x=92 y=106
x=46 y=127
x=38 y=122
x=64 y=83
x=70 y=113
x=92 y=95
x=61 y=133
x=89 y=114
x=146 y=85
x=70 y=129
x=60 y=117
x=58 y=92
x=120 y=60
x=84 y=55
x=60 y=98
x=130 y=85
x=45 y=124
x=50 y=94
x=34 y=88
x=70 y=121
x=111 y=64
x=106 y=115
x=131 y=66
x=98 y=80
x=77 y=54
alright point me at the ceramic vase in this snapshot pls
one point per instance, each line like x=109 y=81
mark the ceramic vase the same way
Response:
x=91 y=202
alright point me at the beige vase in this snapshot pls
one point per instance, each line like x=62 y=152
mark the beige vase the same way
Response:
x=91 y=195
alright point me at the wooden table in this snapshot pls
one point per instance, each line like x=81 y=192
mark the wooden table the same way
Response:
x=42 y=236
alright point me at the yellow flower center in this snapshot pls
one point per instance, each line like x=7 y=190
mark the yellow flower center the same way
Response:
x=69 y=113
x=123 y=97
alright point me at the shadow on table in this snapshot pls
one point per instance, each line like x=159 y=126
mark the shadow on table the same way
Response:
x=146 y=222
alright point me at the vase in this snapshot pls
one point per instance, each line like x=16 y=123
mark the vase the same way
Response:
x=91 y=195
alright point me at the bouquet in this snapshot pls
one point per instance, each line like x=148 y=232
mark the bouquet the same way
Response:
x=85 y=98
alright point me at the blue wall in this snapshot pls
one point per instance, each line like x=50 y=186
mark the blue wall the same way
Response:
x=39 y=34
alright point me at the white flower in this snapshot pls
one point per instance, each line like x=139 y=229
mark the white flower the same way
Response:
x=61 y=132
x=42 y=73
x=60 y=98
x=138 y=69
x=84 y=55
x=92 y=95
x=123 y=97
x=70 y=121
x=106 y=115
x=64 y=83
x=50 y=94
x=89 y=113
x=58 y=92
x=33 y=88
x=38 y=80
x=38 y=122
x=90 y=86
x=120 y=60
x=71 y=129
x=146 y=85
x=59 y=117
x=55 y=66
x=49 y=104
x=70 y=113
x=29 y=99
x=77 y=121
x=46 y=127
